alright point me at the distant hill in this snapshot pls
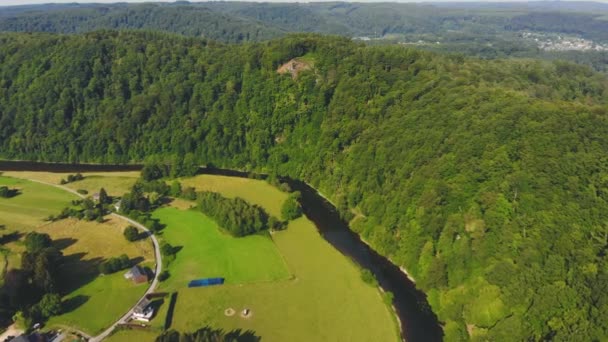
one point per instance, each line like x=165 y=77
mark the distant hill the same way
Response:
x=247 y=21
x=182 y=19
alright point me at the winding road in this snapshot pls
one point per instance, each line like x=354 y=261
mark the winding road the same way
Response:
x=157 y=269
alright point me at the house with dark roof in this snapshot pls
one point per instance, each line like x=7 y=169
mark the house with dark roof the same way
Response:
x=137 y=275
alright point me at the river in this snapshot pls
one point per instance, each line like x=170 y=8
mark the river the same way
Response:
x=418 y=322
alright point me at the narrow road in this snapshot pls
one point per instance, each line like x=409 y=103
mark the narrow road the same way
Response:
x=157 y=269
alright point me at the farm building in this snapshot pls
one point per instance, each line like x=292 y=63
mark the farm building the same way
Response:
x=143 y=311
x=137 y=275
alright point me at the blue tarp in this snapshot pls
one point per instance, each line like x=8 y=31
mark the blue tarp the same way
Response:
x=206 y=282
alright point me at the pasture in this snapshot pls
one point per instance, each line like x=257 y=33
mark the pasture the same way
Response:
x=324 y=299
x=115 y=183
x=252 y=190
x=205 y=251
x=92 y=302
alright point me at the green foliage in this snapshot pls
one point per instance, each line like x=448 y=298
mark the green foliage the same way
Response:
x=103 y=197
x=35 y=242
x=131 y=233
x=292 y=209
x=368 y=277
x=72 y=178
x=6 y=192
x=207 y=334
x=164 y=275
x=50 y=305
x=474 y=175
x=113 y=265
x=176 y=189
x=234 y=215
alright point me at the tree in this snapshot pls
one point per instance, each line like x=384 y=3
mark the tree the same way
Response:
x=291 y=208
x=103 y=197
x=176 y=189
x=167 y=249
x=151 y=172
x=50 y=305
x=131 y=233
x=35 y=242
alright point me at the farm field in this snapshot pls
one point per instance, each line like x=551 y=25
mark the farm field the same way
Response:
x=95 y=301
x=252 y=190
x=206 y=251
x=92 y=302
x=131 y=336
x=36 y=201
x=115 y=183
x=315 y=304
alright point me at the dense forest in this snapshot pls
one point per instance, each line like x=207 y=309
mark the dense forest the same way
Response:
x=485 y=30
x=486 y=180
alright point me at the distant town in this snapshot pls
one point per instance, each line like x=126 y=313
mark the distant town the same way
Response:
x=563 y=43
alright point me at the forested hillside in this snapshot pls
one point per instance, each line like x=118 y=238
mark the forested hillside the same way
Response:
x=486 y=180
x=188 y=20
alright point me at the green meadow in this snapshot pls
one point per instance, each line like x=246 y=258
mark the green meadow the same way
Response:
x=35 y=202
x=252 y=190
x=323 y=300
x=206 y=251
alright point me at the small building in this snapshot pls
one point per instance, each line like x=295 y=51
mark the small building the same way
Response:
x=95 y=197
x=117 y=205
x=143 y=311
x=137 y=275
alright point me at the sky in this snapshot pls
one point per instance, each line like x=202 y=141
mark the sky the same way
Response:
x=26 y=2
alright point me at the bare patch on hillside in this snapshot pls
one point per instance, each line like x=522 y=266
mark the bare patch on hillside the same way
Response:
x=294 y=67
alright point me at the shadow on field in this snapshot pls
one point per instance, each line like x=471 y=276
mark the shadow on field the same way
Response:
x=242 y=336
x=77 y=272
x=136 y=260
x=74 y=303
x=10 y=237
x=62 y=244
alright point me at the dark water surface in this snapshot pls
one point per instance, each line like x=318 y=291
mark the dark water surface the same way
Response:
x=418 y=322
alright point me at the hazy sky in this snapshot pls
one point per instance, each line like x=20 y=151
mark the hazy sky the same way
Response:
x=24 y=2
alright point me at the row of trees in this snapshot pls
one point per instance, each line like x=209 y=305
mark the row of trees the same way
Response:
x=32 y=292
x=234 y=215
x=115 y=264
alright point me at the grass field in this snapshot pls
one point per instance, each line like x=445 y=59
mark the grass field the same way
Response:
x=325 y=300
x=132 y=336
x=253 y=191
x=115 y=183
x=93 y=302
x=28 y=210
x=208 y=252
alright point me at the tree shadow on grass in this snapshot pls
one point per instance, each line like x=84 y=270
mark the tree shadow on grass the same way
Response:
x=136 y=260
x=77 y=272
x=242 y=336
x=74 y=303
x=62 y=244
x=10 y=237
